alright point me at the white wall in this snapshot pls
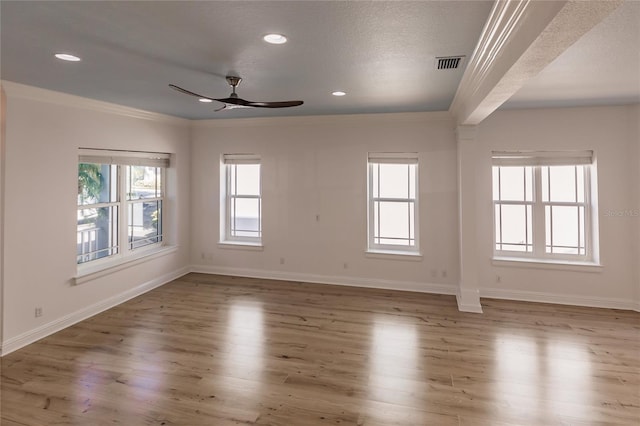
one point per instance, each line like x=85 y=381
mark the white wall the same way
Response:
x=312 y=166
x=635 y=141
x=44 y=131
x=609 y=131
x=317 y=166
x=2 y=182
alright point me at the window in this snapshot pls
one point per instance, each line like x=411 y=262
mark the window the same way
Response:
x=120 y=198
x=393 y=202
x=241 y=220
x=542 y=205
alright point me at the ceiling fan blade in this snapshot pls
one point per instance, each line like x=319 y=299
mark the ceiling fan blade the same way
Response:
x=187 y=92
x=238 y=102
x=282 y=104
x=235 y=102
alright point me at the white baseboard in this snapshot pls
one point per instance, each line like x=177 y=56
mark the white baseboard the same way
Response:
x=562 y=299
x=58 y=324
x=419 y=287
x=464 y=304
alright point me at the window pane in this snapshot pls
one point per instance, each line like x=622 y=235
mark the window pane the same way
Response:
x=563 y=235
x=394 y=220
x=563 y=183
x=232 y=169
x=516 y=227
x=245 y=217
x=374 y=178
x=544 y=171
x=528 y=183
x=143 y=182
x=412 y=181
x=145 y=223
x=394 y=181
x=512 y=183
x=495 y=171
x=97 y=233
x=580 y=184
x=97 y=183
x=581 y=231
x=248 y=179
x=498 y=225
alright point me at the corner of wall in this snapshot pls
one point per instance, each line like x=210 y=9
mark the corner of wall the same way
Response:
x=3 y=125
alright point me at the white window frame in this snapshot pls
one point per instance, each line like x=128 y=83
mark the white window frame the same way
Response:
x=374 y=160
x=538 y=160
x=122 y=159
x=229 y=161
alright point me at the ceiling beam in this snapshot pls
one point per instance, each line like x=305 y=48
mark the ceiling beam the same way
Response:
x=518 y=41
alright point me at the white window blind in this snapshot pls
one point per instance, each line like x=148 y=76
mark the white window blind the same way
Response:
x=393 y=158
x=542 y=158
x=126 y=158
x=241 y=159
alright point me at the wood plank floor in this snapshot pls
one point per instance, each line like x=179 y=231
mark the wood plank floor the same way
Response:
x=214 y=350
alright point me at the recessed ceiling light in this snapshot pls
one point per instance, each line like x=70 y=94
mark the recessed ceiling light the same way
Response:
x=275 y=38
x=338 y=93
x=67 y=57
x=205 y=100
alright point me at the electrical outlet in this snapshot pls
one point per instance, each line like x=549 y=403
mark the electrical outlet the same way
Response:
x=345 y=265
x=444 y=273
x=38 y=312
x=282 y=260
x=498 y=278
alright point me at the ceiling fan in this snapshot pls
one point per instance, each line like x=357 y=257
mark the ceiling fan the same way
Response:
x=233 y=101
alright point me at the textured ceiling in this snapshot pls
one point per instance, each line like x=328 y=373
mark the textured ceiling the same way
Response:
x=381 y=53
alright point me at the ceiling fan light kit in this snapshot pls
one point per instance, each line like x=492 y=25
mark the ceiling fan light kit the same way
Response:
x=233 y=101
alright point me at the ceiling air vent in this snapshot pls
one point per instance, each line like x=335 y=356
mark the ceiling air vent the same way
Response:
x=449 y=62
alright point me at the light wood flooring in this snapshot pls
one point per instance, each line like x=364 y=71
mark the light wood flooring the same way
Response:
x=214 y=350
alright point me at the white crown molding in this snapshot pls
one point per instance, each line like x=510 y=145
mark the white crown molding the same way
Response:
x=346 y=119
x=561 y=299
x=28 y=337
x=418 y=287
x=22 y=91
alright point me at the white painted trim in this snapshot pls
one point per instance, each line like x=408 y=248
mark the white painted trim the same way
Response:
x=535 y=263
x=360 y=119
x=240 y=245
x=419 y=287
x=561 y=299
x=469 y=301
x=58 y=324
x=89 y=272
x=22 y=91
x=394 y=255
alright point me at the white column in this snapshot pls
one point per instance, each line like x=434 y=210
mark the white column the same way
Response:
x=468 y=296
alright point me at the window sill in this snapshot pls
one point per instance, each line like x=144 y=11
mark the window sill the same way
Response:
x=240 y=245
x=88 y=272
x=560 y=265
x=393 y=255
